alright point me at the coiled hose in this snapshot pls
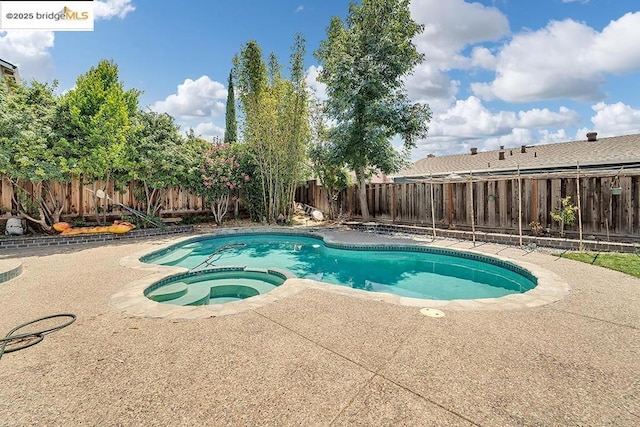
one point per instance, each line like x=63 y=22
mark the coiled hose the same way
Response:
x=31 y=338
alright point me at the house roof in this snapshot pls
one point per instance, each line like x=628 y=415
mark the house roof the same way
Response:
x=602 y=153
x=7 y=64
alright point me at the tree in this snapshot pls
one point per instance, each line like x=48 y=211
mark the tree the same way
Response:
x=231 y=125
x=191 y=157
x=326 y=164
x=31 y=153
x=329 y=168
x=566 y=215
x=364 y=62
x=275 y=126
x=222 y=176
x=156 y=159
x=96 y=118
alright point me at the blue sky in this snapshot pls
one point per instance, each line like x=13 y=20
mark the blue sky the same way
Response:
x=497 y=72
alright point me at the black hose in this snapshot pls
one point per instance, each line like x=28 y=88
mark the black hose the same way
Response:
x=31 y=338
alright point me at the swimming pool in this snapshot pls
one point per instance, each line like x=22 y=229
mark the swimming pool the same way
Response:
x=410 y=271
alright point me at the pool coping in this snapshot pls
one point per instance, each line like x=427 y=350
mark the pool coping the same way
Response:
x=131 y=300
x=10 y=269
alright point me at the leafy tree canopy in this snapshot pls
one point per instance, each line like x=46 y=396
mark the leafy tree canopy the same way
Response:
x=364 y=62
x=96 y=116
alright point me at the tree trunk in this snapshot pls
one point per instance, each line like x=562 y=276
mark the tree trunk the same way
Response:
x=362 y=191
x=105 y=201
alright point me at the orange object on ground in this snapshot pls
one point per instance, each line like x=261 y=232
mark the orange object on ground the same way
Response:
x=118 y=227
x=61 y=226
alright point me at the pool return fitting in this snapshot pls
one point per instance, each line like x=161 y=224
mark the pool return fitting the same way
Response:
x=21 y=341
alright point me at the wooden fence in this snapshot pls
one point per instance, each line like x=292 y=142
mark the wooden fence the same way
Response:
x=78 y=201
x=497 y=202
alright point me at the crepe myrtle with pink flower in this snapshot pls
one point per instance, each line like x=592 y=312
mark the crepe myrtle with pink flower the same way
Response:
x=222 y=178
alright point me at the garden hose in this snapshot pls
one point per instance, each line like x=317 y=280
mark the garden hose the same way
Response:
x=20 y=341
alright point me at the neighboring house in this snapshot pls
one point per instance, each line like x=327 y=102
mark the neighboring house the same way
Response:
x=8 y=70
x=606 y=154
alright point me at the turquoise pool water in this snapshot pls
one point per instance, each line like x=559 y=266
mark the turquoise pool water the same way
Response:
x=416 y=272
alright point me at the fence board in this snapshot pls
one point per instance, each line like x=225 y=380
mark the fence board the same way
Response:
x=480 y=199
x=502 y=203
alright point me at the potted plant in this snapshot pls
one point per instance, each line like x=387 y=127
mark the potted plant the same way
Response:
x=616 y=190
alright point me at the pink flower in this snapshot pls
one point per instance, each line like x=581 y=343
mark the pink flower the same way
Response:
x=246 y=178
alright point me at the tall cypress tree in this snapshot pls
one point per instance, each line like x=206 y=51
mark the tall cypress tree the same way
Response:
x=231 y=126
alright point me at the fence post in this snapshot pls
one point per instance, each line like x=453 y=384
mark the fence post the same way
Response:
x=520 y=205
x=393 y=202
x=473 y=211
x=579 y=204
x=433 y=209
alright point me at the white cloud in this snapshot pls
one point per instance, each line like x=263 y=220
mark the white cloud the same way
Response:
x=195 y=98
x=566 y=59
x=517 y=137
x=208 y=131
x=29 y=50
x=299 y=8
x=537 y=118
x=615 y=50
x=468 y=123
x=547 y=137
x=471 y=119
x=319 y=90
x=450 y=27
x=614 y=119
x=431 y=85
x=108 y=9
x=483 y=58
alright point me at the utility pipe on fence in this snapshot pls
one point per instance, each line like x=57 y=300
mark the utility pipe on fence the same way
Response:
x=579 y=206
x=520 y=205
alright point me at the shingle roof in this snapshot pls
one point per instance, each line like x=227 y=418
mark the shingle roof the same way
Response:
x=618 y=150
x=7 y=64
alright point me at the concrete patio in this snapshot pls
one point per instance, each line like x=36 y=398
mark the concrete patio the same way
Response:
x=318 y=357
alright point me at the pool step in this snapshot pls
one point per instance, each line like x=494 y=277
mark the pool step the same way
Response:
x=168 y=292
x=194 y=296
x=259 y=285
x=174 y=256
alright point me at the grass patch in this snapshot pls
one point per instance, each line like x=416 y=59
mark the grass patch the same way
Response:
x=625 y=263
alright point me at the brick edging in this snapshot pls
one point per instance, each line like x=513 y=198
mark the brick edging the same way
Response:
x=58 y=240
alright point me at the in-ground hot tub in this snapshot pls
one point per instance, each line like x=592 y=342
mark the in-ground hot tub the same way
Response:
x=218 y=285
